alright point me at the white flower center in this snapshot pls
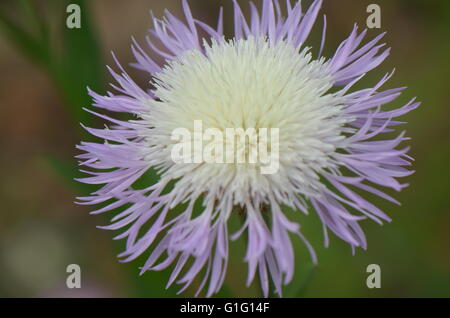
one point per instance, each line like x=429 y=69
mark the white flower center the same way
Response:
x=248 y=84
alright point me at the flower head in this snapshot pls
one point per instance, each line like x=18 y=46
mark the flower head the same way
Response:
x=265 y=77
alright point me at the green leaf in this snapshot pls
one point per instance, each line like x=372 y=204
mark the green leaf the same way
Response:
x=81 y=64
x=36 y=22
x=29 y=45
x=78 y=66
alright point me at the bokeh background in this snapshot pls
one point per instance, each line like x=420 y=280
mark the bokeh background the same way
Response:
x=45 y=69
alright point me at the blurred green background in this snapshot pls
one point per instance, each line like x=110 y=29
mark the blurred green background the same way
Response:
x=45 y=70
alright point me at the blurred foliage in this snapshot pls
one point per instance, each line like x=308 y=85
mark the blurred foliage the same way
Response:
x=77 y=66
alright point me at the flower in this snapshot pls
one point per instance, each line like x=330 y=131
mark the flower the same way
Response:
x=264 y=77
